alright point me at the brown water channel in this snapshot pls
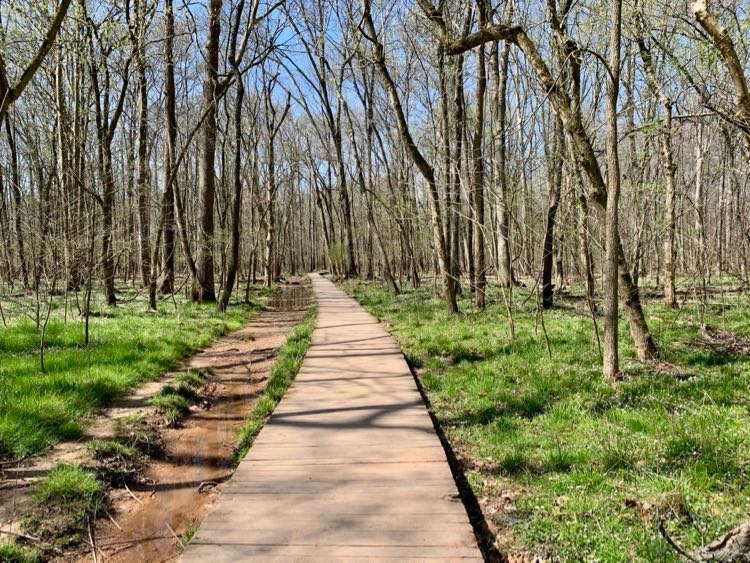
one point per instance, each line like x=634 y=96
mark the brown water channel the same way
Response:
x=146 y=521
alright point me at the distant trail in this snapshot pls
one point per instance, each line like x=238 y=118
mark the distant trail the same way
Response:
x=349 y=465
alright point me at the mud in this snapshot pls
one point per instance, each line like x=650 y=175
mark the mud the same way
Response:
x=145 y=521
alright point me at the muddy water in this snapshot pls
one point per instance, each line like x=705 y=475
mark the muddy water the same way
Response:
x=146 y=521
x=293 y=298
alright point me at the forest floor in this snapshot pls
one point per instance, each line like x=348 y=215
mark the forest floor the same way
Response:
x=128 y=346
x=569 y=465
x=148 y=463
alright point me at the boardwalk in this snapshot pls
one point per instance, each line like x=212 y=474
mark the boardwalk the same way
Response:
x=349 y=465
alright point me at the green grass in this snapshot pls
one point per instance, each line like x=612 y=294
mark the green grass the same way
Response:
x=128 y=346
x=186 y=536
x=67 y=499
x=116 y=461
x=135 y=431
x=70 y=488
x=111 y=449
x=11 y=552
x=172 y=402
x=591 y=466
x=288 y=363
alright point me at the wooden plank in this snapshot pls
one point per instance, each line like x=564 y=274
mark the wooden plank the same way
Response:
x=348 y=467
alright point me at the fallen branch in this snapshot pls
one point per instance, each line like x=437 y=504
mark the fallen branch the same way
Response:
x=734 y=546
x=93 y=544
x=20 y=535
x=131 y=492
x=114 y=521
x=674 y=544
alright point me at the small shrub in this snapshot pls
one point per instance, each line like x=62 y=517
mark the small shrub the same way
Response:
x=102 y=450
x=187 y=535
x=514 y=462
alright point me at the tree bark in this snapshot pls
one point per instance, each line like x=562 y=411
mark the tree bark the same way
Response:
x=669 y=169
x=203 y=284
x=500 y=72
x=477 y=173
x=10 y=93
x=273 y=125
x=15 y=189
x=170 y=116
x=611 y=305
x=723 y=42
x=144 y=227
x=554 y=179
x=234 y=253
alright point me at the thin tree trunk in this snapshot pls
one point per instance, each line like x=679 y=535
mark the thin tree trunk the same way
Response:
x=234 y=254
x=669 y=169
x=585 y=159
x=15 y=189
x=702 y=266
x=427 y=171
x=611 y=311
x=504 y=271
x=170 y=115
x=477 y=176
x=144 y=226
x=203 y=284
x=554 y=178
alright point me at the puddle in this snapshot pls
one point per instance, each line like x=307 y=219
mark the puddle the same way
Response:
x=293 y=298
x=181 y=486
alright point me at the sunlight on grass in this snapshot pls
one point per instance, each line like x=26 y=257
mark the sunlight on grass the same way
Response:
x=592 y=466
x=11 y=552
x=128 y=346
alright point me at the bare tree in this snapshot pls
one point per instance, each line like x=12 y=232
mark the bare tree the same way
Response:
x=203 y=285
x=10 y=92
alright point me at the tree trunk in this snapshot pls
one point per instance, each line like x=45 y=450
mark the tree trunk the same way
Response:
x=669 y=169
x=723 y=42
x=477 y=177
x=15 y=189
x=273 y=125
x=500 y=70
x=108 y=208
x=611 y=311
x=554 y=178
x=144 y=226
x=170 y=115
x=459 y=117
x=585 y=159
x=702 y=266
x=234 y=253
x=203 y=284
x=427 y=171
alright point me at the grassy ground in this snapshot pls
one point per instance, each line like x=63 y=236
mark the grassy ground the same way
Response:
x=11 y=552
x=128 y=346
x=564 y=462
